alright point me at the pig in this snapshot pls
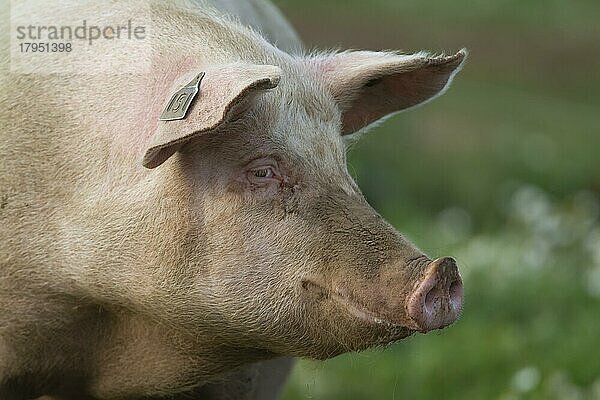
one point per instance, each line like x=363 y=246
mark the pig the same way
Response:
x=143 y=258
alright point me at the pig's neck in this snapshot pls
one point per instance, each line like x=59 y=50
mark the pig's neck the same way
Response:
x=141 y=356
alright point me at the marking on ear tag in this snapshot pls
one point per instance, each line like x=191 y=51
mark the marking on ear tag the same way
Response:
x=182 y=99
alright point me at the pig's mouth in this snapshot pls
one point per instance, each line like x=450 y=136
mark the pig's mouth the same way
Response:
x=392 y=313
x=356 y=309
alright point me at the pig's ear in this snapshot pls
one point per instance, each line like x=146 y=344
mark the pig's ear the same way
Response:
x=224 y=92
x=370 y=85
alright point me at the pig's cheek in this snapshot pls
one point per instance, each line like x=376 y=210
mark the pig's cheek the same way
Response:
x=291 y=199
x=270 y=199
x=270 y=192
x=255 y=193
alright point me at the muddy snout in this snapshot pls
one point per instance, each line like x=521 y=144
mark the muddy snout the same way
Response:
x=437 y=299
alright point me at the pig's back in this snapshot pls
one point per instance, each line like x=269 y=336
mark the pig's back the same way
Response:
x=260 y=15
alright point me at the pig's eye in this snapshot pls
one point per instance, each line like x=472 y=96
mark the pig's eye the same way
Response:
x=263 y=173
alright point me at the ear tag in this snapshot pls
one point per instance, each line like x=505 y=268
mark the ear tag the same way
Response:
x=182 y=99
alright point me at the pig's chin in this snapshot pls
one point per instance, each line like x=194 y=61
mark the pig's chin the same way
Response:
x=380 y=330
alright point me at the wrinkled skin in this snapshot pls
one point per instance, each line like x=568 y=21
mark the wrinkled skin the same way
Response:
x=242 y=237
x=343 y=244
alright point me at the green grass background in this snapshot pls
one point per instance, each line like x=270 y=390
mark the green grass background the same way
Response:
x=503 y=173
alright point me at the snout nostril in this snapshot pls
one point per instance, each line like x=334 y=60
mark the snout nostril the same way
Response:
x=431 y=298
x=437 y=299
x=455 y=288
x=456 y=295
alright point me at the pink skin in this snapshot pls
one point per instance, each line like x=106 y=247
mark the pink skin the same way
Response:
x=437 y=299
x=152 y=96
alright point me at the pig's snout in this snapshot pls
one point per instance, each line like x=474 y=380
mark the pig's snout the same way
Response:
x=437 y=299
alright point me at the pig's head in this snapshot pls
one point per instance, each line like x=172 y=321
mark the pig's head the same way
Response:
x=283 y=253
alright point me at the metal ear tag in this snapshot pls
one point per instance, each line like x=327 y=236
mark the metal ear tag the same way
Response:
x=182 y=99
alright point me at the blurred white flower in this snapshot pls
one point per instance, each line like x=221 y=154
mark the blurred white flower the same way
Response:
x=562 y=388
x=592 y=281
x=595 y=390
x=454 y=224
x=530 y=204
x=592 y=245
x=526 y=379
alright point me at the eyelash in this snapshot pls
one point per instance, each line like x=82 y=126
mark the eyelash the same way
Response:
x=263 y=173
